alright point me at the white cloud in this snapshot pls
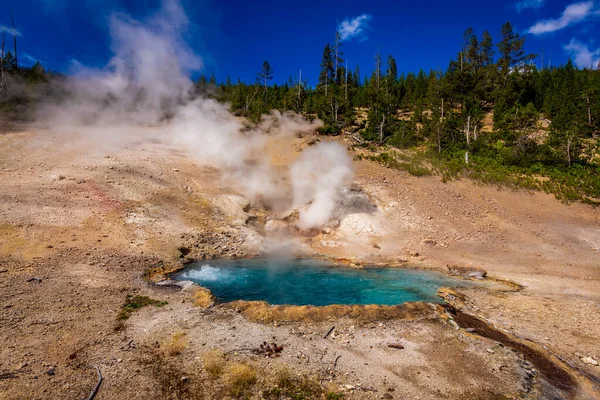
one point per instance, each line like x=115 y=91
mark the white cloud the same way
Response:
x=523 y=4
x=9 y=30
x=31 y=58
x=354 y=28
x=574 y=13
x=583 y=56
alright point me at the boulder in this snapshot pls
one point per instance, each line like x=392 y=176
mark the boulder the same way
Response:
x=466 y=272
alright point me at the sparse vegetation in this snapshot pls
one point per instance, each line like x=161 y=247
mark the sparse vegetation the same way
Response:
x=203 y=298
x=214 y=363
x=578 y=183
x=176 y=344
x=133 y=303
x=174 y=381
x=239 y=378
x=287 y=385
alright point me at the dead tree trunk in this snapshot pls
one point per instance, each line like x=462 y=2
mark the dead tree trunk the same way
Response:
x=249 y=100
x=3 y=86
x=439 y=125
x=15 y=41
x=468 y=128
x=569 y=144
x=589 y=109
x=381 y=129
x=299 y=87
x=346 y=94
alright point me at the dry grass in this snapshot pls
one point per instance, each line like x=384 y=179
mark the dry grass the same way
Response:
x=287 y=385
x=214 y=363
x=176 y=344
x=258 y=311
x=203 y=298
x=239 y=378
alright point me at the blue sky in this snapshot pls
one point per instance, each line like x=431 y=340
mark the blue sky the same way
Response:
x=235 y=37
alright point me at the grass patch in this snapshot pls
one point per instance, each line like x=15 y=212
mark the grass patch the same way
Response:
x=133 y=303
x=176 y=344
x=293 y=387
x=203 y=298
x=413 y=166
x=214 y=363
x=290 y=386
x=173 y=380
x=240 y=378
x=580 y=182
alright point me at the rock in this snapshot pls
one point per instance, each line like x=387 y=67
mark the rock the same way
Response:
x=589 y=360
x=235 y=207
x=348 y=387
x=359 y=225
x=429 y=241
x=387 y=396
x=276 y=227
x=466 y=272
x=398 y=346
x=491 y=351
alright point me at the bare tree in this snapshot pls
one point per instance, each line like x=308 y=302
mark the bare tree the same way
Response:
x=14 y=40
x=3 y=86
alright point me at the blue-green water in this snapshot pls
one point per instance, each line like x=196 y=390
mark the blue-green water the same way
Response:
x=314 y=282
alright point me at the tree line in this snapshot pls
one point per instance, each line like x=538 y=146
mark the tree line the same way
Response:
x=443 y=109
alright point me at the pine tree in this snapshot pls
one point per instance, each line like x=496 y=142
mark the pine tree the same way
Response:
x=264 y=77
x=327 y=70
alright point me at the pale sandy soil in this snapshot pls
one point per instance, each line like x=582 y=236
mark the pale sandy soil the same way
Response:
x=88 y=221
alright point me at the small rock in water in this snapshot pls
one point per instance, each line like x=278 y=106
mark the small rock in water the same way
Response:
x=589 y=360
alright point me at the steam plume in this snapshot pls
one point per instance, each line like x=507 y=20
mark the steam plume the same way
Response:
x=146 y=83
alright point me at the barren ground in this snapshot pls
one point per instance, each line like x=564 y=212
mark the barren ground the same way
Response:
x=88 y=223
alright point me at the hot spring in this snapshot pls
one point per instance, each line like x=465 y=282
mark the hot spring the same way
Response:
x=314 y=282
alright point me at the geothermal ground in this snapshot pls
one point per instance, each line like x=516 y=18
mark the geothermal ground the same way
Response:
x=80 y=230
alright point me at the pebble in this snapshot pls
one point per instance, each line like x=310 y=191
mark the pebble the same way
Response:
x=589 y=360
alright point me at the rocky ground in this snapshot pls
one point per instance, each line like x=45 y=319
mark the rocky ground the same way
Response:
x=82 y=223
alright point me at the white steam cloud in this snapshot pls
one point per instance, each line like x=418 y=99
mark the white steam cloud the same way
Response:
x=317 y=177
x=145 y=91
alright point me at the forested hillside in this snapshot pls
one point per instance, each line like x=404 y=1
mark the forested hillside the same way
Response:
x=493 y=114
